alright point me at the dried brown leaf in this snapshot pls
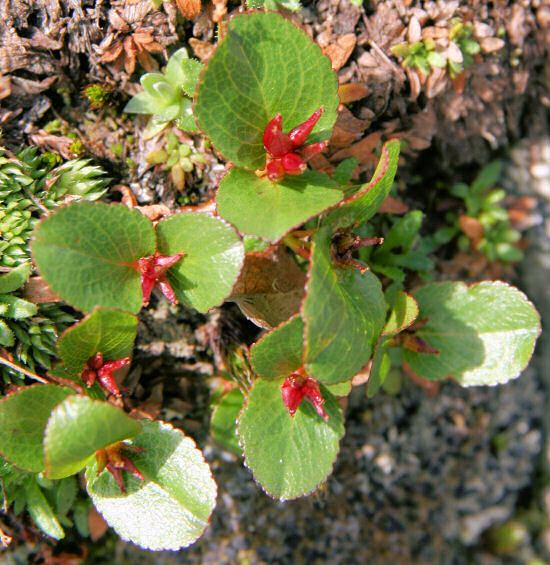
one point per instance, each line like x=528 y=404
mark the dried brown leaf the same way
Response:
x=36 y=290
x=201 y=49
x=270 y=288
x=363 y=150
x=189 y=8
x=339 y=52
x=352 y=92
x=393 y=206
x=472 y=228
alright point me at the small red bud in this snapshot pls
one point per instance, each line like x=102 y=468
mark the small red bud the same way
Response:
x=308 y=151
x=293 y=164
x=275 y=170
x=301 y=132
x=276 y=143
x=296 y=387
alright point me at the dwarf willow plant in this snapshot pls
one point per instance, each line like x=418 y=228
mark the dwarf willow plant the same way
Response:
x=328 y=316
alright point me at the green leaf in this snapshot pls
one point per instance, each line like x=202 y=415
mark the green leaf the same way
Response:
x=23 y=419
x=224 y=420
x=344 y=313
x=262 y=66
x=273 y=209
x=41 y=512
x=16 y=308
x=84 y=252
x=185 y=119
x=402 y=234
x=214 y=255
x=279 y=353
x=77 y=428
x=485 y=334
x=141 y=103
x=381 y=364
x=436 y=59
x=369 y=197
x=15 y=279
x=159 y=89
x=487 y=177
x=340 y=389
x=288 y=456
x=7 y=338
x=65 y=495
x=342 y=173
x=172 y=507
x=111 y=332
x=403 y=313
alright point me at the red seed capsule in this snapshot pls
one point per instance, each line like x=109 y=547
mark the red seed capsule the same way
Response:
x=308 y=151
x=301 y=132
x=275 y=170
x=276 y=143
x=293 y=164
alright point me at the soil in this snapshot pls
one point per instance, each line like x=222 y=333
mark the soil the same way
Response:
x=420 y=478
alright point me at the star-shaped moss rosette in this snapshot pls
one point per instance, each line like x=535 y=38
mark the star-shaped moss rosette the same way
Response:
x=90 y=253
x=264 y=73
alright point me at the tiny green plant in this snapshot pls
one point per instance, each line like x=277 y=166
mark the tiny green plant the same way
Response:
x=168 y=96
x=284 y=246
x=484 y=224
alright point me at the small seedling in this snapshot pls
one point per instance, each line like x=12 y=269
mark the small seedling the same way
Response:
x=168 y=96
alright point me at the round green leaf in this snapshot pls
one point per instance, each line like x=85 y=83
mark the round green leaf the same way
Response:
x=224 y=420
x=279 y=353
x=172 y=507
x=84 y=252
x=112 y=332
x=214 y=255
x=15 y=278
x=485 y=334
x=23 y=418
x=262 y=66
x=257 y=206
x=288 y=456
x=344 y=313
x=77 y=428
x=369 y=197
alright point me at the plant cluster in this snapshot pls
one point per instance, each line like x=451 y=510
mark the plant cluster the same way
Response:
x=168 y=96
x=286 y=245
x=426 y=55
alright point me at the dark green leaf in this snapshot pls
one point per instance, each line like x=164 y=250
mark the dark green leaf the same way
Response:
x=111 y=332
x=214 y=255
x=262 y=66
x=77 y=428
x=344 y=313
x=279 y=353
x=23 y=418
x=41 y=512
x=369 y=197
x=15 y=279
x=85 y=250
x=273 y=209
x=288 y=456
x=224 y=420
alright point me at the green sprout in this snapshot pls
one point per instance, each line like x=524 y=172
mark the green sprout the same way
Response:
x=483 y=208
x=292 y=5
x=97 y=95
x=461 y=34
x=168 y=97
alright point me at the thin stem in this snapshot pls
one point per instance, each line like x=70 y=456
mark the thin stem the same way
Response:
x=301 y=248
x=14 y=366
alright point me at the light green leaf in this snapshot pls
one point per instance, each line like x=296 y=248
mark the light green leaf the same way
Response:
x=369 y=197
x=279 y=353
x=262 y=66
x=84 y=252
x=381 y=364
x=436 y=59
x=77 y=428
x=224 y=420
x=485 y=334
x=15 y=279
x=141 y=103
x=111 y=332
x=274 y=209
x=288 y=456
x=16 y=308
x=344 y=313
x=214 y=255
x=41 y=512
x=23 y=419
x=159 y=89
x=7 y=338
x=172 y=507
x=403 y=313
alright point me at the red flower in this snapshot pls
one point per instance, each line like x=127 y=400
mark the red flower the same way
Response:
x=297 y=387
x=95 y=368
x=152 y=270
x=115 y=460
x=287 y=154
